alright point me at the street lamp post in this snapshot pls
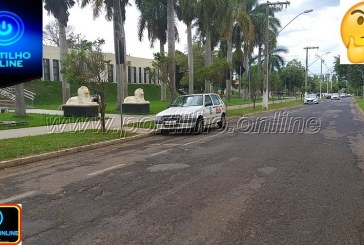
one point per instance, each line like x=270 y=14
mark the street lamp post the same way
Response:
x=322 y=61
x=266 y=53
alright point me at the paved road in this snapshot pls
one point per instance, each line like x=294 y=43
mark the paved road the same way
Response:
x=251 y=185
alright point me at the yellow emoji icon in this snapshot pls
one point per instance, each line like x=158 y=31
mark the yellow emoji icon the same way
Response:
x=352 y=32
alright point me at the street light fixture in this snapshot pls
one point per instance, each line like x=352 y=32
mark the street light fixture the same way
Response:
x=266 y=62
x=304 y=12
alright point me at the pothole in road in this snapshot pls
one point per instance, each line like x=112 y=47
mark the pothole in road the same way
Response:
x=330 y=132
x=267 y=170
x=167 y=167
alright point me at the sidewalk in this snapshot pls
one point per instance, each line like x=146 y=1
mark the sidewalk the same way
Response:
x=113 y=123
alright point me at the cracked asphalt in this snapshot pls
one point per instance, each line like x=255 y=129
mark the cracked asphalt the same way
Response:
x=294 y=177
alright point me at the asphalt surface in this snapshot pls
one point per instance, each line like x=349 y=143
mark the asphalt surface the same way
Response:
x=269 y=181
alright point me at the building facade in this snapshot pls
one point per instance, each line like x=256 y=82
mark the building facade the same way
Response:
x=136 y=72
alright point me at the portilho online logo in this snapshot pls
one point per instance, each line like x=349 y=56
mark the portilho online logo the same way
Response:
x=1 y=218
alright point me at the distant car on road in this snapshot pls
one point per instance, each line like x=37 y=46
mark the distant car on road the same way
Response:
x=311 y=99
x=192 y=112
x=335 y=96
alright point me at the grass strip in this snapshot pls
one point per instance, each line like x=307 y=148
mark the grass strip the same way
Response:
x=360 y=102
x=258 y=108
x=32 y=145
x=235 y=100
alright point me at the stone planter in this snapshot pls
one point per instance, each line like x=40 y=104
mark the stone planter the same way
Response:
x=80 y=110
x=135 y=108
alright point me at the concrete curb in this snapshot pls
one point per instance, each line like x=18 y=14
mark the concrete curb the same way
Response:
x=35 y=158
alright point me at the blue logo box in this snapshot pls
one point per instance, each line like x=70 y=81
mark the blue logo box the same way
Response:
x=20 y=41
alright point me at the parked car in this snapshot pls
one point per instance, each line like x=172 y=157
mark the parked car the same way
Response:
x=192 y=113
x=310 y=99
x=335 y=96
x=328 y=96
x=342 y=95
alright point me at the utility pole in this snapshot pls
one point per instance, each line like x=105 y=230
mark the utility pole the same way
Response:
x=306 y=74
x=266 y=53
x=327 y=79
x=321 y=78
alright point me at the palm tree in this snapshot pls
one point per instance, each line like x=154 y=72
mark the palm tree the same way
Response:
x=171 y=35
x=276 y=61
x=188 y=9
x=115 y=11
x=20 y=109
x=211 y=13
x=251 y=21
x=246 y=12
x=227 y=33
x=60 y=10
x=153 y=18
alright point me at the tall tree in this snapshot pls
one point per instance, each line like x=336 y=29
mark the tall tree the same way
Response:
x=245 y=14
x=86 y=65
x=171 y=35
x=251 y=20
x=20 y=107
x=115 y=11
x=211 y=13
x=227 y=32
x=276 y=59
x=51 y=35
x=153 y=18
x=293 y=75
x=188 y=10
x=60 y=10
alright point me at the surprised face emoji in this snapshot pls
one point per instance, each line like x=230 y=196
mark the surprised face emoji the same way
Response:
x=352 y=33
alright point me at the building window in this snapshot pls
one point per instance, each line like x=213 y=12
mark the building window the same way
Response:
x=145 y=76
x=129 y=74
x=110 y=73
x=135 y=73
x=46 y=70
x=56 y=70
x=140 y=75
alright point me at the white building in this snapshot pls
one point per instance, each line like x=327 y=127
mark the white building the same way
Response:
x=136 y=67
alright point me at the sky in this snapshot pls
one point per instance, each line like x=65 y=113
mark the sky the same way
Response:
x=320 y=28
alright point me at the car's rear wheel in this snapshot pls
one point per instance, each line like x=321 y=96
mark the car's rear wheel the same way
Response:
x=222 y=123
x=199 y=126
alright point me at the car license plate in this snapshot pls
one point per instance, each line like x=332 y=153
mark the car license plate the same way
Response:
x=170 y=123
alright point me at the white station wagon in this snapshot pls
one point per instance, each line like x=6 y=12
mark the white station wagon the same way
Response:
x=192 y=112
